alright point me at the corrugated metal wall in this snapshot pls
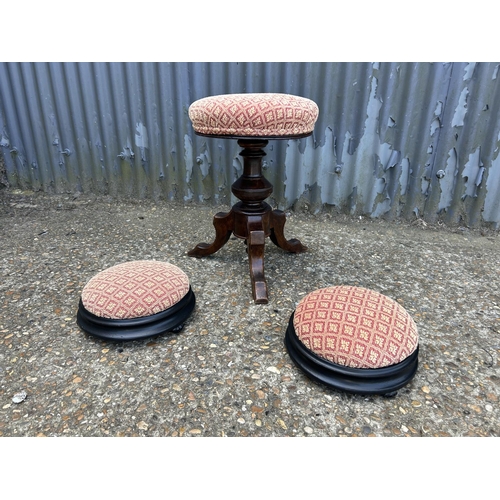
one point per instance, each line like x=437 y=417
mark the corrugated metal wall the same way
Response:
x=392 y=140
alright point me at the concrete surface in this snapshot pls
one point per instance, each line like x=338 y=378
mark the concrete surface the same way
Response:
x=228 y=373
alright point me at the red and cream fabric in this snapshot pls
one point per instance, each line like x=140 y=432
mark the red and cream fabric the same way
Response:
x=355 y=327
x=135 y=289
x=254 y=115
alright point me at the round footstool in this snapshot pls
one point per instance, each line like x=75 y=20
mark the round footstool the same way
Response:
x=136 y=300
x=354 y=340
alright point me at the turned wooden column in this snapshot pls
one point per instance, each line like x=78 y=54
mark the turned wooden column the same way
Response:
x=251 y=219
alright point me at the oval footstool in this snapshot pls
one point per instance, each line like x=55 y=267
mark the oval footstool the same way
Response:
x=136 y=300
x=354 y=340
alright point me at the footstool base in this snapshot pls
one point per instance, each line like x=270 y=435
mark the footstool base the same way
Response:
x=383 y=381
x=172 y=320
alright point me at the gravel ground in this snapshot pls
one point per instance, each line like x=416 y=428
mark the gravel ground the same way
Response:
x=228 y=373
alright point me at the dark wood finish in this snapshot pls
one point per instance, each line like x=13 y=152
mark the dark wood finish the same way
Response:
x=278 y=219
x=266 y=137
x=224 y=224
x=251 y=219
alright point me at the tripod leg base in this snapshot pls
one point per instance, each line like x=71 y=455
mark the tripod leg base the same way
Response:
x=224 y=225
x=278 y=219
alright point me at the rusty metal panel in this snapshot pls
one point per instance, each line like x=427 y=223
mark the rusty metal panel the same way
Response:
x=392 y=139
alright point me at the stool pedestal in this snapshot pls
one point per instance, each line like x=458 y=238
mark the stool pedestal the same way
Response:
x=251 y=219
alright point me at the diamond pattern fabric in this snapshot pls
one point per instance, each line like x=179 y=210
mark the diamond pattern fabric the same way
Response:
x=254 y=115
x=135 y=289
x=355 y=327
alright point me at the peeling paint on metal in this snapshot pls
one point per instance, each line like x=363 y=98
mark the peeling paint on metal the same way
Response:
x=447 y=181
x=141 y=136
x=491 y=212
x=204 y=162
x=405 y=175
x=189 y=195
x=436 y=123
x=188 y=158
x=392 y=139
x=368 y=144
x=472 y=173
x=469 y=71
x=141 y=139
x=461 y=109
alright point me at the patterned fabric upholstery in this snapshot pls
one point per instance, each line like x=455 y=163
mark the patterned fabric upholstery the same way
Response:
x=135 y=289
x=355 y=327
x=254 y=115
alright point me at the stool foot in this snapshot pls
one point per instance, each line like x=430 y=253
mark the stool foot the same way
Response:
x=278 y=219
x=224 y=225
x=255 y=246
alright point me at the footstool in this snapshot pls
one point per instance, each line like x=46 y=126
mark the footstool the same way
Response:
x=252 y=119
x=136 y=300
x=354 y=340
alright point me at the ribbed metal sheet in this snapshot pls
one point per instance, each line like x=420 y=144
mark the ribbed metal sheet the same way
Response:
x=392 y=139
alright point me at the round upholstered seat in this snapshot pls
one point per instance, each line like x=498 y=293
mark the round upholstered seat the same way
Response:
x=264 y=115
x=135 y=300
x=353 y=339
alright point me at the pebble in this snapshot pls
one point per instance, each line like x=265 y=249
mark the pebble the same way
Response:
x=273 y=369
x=19 y=397
x=308 y=430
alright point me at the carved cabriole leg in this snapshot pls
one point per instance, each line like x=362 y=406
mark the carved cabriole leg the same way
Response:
x=278 y=219
x=224 y=225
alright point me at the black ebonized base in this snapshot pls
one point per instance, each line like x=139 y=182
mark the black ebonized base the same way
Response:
x=384 y=381
x=170 y=320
